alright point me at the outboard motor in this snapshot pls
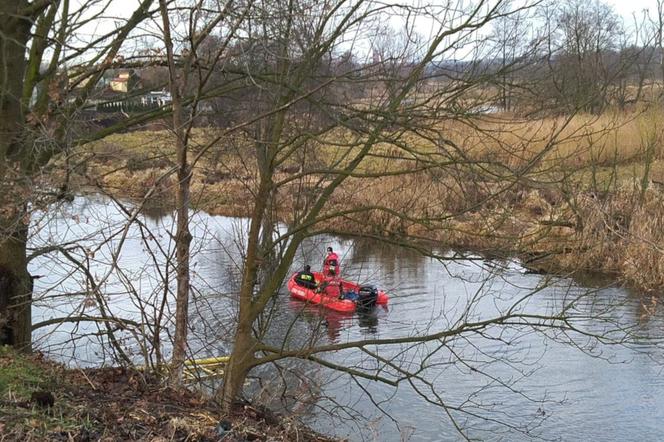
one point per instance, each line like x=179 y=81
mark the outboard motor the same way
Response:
x=368 y=295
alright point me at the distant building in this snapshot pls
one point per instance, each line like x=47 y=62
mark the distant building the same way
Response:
x=125 y=82
x=156 y=98
x=122 y=90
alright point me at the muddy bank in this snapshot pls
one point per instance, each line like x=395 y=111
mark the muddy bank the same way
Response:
x=41 y=400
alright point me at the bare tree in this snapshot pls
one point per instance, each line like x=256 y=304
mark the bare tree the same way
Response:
x=657 y=29
x=198 y=61
x=367 y=125
x=392 y=147
x=584 y=36
x=34 y=104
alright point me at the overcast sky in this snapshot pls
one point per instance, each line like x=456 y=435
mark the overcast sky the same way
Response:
x=624 y=7
x=627 y=7
x=123 y=8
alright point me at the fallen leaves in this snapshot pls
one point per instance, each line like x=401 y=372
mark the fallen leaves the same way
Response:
x=131 y=405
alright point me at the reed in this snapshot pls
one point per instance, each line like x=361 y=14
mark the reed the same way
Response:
x=588 y=194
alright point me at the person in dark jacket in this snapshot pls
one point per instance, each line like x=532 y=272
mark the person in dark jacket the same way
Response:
x=305 y=278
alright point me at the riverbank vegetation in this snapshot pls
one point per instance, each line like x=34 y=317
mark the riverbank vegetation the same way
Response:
x=590 y=204
x=509 y=127
x=41 y=400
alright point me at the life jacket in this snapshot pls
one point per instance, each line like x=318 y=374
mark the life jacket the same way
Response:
x=331 y=265
x=305 y=280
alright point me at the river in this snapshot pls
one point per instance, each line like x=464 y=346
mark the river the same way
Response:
x=506 y=383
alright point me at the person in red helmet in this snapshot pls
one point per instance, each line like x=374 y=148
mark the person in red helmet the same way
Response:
x=331 y=266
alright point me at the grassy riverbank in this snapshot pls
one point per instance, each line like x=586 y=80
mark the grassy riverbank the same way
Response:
x=584 y=193
x=40 y=400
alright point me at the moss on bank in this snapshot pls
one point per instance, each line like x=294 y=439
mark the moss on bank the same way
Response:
x=113 y=404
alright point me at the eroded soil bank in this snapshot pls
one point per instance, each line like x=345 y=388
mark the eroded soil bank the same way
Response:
x=41 y=400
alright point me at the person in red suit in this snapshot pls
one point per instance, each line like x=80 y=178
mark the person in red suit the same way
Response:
x=331 y=266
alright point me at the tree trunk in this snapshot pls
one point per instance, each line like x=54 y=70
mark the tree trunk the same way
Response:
x=15 y=282
x=242 y=356
x=183 y=236
x=15 y=290
x=183 y=241
x=237 y=369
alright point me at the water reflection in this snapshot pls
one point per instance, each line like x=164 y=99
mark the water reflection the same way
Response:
x=624 y=401
x=367 y=318
x=335 y=323
x=368 y=260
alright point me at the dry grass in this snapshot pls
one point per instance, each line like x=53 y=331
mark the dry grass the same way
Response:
x=623 y=235
x=582 y=141
x=582 y=203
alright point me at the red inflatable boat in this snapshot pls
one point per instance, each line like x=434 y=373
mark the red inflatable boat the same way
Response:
x=354 y=294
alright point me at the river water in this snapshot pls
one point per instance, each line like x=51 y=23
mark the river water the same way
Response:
x=504 y=382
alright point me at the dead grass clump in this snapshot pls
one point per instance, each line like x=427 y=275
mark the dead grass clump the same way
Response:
x=597 y=246
x=214 y=176
x=138 y=184
x=144 y=161
x=230 y=197
x=536 y=205
x=621 y=234
x=643 y=262
x=106 y=152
